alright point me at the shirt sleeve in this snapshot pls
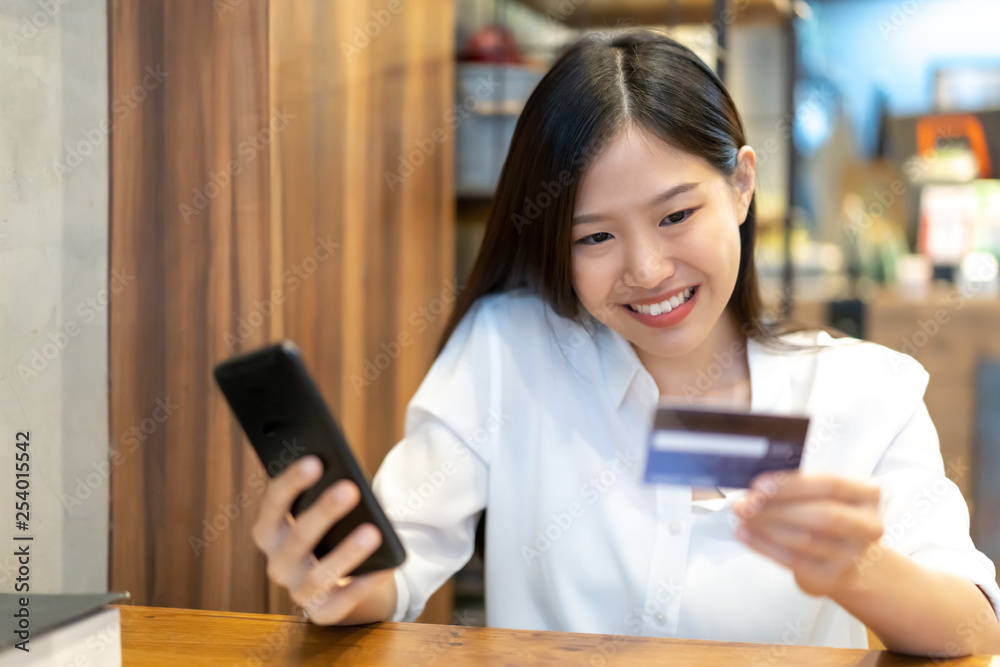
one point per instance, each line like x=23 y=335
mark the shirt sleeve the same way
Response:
x=433 y=483
x=924 y=513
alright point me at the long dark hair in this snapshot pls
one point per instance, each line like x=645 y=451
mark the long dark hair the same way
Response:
x=600 y=85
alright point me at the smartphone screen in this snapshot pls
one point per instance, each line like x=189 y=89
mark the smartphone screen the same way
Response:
x=284 y=417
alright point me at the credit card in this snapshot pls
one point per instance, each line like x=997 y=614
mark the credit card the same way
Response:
x=715 y=448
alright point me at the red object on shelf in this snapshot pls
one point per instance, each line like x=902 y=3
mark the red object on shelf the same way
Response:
x=491 y=44
x=953 y=126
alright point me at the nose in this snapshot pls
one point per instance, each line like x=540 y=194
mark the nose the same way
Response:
x=648 y=263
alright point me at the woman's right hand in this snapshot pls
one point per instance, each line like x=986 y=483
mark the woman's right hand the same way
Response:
x=318 y=586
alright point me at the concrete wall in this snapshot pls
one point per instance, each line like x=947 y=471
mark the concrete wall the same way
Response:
x=54 y=287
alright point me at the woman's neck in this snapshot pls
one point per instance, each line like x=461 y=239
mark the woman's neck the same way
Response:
x=717 y=372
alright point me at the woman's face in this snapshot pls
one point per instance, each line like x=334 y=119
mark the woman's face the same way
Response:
x=656 y=229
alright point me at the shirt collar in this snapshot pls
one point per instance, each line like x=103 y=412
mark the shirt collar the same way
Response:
x=619 y=363
x=770 y=379
x=608 y=360
x=770 y=384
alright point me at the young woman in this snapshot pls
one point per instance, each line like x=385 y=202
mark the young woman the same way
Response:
x=617 y=271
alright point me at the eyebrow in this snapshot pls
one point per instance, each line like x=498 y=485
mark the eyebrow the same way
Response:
x=658 y=199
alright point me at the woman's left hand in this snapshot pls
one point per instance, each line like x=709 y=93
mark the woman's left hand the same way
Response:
x=817 y=525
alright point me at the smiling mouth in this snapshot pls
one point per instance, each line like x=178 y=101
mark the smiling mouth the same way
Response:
x=666 y=305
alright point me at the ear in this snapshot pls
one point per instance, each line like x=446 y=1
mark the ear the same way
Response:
x=746 y=181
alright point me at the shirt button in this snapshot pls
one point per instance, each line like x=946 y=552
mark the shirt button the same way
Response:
x=660 y=619
x=674 y=527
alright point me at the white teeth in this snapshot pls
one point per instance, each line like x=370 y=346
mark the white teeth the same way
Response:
x=666 y=306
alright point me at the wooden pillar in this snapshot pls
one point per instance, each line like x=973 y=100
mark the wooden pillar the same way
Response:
x=253 y=198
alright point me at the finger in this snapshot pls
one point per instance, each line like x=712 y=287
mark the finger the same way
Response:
x=782 y=486
x=750 y=504
x=334 y=608
x=800 y=541
x=835 y=520
x=783 y=555
x=329 y=508
x=327 y=574
x=272 y=522
x=311 y=525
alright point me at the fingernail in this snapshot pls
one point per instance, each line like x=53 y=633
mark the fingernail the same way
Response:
x=309 y=466
x=367 y=537
x=341 y=491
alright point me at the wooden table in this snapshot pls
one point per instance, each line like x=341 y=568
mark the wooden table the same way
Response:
x=160 y=636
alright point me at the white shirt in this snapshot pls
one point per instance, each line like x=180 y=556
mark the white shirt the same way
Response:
x=525 y=413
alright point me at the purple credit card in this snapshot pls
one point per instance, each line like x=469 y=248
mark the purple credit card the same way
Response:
x=713 y=448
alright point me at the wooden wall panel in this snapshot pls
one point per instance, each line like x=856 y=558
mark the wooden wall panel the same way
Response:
x=310 y=216
x=950 y=335
x=364 y=92
x=198 y=270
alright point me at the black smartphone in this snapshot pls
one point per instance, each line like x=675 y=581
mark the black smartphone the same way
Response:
x=285 y=417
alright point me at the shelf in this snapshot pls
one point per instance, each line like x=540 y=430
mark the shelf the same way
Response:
x=596 y=13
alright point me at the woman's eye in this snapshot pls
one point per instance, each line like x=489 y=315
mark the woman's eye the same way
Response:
x=672 y=219
x=679 y=216
x=594 y=239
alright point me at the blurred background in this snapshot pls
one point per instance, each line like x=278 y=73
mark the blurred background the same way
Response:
x=181 y=181
x=877 y=127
